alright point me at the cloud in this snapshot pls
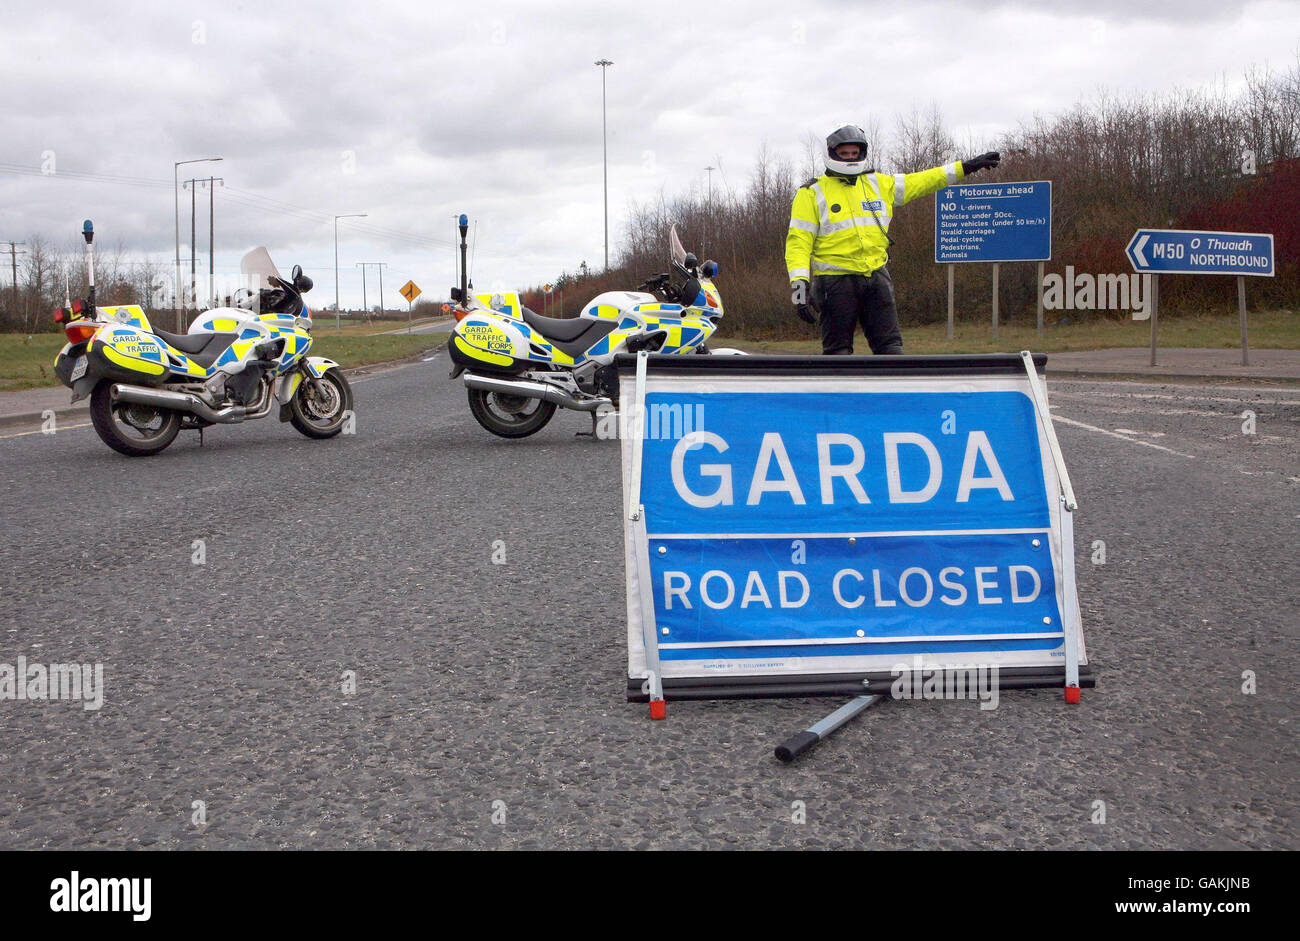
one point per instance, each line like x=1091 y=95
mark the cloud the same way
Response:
x=414 y=111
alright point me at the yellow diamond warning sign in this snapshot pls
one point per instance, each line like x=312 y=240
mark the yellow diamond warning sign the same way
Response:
x=410 y=290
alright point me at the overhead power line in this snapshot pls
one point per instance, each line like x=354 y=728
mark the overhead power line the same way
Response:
x=242 y=197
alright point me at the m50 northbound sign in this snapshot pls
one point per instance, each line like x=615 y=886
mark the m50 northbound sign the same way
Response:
x=1181 y=251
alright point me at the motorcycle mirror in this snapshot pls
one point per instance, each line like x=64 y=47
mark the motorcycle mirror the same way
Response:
x=455 y=294
x=88 y=231
x=295 y=274
x=710 y=269
x=690 y=261
x=301 y=283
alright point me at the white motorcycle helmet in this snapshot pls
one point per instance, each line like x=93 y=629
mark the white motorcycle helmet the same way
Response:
x=848 y=134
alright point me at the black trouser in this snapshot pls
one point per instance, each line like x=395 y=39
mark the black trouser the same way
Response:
x=849 y=299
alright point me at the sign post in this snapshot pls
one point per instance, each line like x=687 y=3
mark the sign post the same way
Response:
x=1189 y=251
x=410 y=290
x=951 y=269
x=996 y=222
x=808 y=526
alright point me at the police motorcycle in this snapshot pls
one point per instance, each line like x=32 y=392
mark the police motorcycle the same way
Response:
x=234 y=364
x=519 y=366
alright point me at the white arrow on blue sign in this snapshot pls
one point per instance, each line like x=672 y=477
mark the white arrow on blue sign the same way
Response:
x=1182 y=251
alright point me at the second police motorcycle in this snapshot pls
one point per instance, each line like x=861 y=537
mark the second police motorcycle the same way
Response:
x=519 y=366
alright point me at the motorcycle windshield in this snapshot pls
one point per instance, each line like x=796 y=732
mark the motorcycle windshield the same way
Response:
x=675 y=248
x=258 y=268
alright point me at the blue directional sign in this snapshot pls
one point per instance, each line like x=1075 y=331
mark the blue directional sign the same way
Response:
x=993 y=222
x=1183 y=251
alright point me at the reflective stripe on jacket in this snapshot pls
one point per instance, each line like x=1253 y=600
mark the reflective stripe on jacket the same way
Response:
x=840 y=226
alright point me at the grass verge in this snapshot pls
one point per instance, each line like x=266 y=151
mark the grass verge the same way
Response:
x=1277 y=329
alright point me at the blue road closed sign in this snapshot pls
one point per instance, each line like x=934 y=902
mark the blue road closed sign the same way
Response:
x=1183 y=251
x=993 y=222
x=824 y=522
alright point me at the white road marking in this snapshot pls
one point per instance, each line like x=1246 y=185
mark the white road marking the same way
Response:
x=38 y=431
x=1145 y=444
x=1180 y=397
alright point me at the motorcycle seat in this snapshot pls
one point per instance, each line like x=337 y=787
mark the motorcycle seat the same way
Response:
x=556 y=328
x=574 y=335
x=202 y=348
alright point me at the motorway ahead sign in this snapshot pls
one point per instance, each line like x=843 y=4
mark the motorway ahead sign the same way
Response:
x=807 y=520
x=993 y=222
x=1181 y=251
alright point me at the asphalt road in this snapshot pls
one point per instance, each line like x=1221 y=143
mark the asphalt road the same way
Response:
x=478 y=683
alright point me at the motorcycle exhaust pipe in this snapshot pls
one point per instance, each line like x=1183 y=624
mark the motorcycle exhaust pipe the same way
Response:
x=180 y=402
x=531 y=389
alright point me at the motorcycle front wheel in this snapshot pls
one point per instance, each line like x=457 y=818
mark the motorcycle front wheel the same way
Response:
x=129 y=428
x=321 y=406
x=510 y=416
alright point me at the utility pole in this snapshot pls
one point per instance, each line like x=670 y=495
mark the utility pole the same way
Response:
x=13 y=258
x=338 y=324
x=176 y=200
x=604 y=133
x=381 y=265
x=212 y=279
x=192 y=186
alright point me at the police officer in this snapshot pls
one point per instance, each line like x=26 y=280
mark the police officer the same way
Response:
x=838 y=241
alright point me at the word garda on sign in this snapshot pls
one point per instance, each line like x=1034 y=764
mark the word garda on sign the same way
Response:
x=823 y=519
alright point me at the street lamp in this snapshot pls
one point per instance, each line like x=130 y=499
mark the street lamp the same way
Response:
x=338 y=324
x=176 y=200
x=604 y=65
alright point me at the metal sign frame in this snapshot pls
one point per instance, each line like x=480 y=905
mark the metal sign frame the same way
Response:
x=650 y=679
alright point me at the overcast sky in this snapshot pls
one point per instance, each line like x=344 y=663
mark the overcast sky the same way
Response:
x=413 y=111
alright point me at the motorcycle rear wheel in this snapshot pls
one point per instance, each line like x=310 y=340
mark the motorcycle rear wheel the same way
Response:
x=121 y=435
x=509 y=416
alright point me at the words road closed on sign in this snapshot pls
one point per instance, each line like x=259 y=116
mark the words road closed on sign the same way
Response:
x=821 y=518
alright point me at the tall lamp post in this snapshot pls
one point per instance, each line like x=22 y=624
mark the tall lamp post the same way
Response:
x=176 y=199
x=338 y=324
x=604 y=133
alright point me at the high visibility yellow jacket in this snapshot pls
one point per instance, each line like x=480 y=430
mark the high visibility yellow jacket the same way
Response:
x=840 y=226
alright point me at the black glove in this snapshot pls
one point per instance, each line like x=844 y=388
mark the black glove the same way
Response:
x=799 y=291
x=982 y=162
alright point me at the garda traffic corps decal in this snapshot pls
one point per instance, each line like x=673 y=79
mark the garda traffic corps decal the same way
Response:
x=806 y=524
x=487 y=337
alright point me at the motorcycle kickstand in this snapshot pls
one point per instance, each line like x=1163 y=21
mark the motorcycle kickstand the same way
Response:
x=595 y=424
